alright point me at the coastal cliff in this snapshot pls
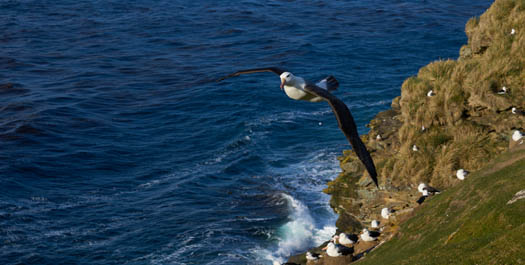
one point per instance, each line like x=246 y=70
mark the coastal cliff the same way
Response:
x=457 y=114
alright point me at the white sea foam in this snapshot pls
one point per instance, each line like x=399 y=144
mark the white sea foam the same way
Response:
x=311 y=222
x=297 y=234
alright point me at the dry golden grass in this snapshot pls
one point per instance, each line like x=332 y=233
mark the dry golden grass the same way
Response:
x=467 y=121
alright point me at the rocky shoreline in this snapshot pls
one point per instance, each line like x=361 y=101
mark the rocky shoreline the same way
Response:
x=468 y=121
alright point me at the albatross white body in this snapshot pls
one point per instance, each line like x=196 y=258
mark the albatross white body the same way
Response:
x=332 y=250
x=365 y=236
x=294 y=87
x=345 y=239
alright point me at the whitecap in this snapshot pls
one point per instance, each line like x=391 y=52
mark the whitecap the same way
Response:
x=298 y=233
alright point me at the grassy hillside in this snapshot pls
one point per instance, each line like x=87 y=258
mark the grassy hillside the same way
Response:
x=470 y=223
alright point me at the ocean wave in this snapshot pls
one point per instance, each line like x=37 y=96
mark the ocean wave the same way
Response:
x=298 y=233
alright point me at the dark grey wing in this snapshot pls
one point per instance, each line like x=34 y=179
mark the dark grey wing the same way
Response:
x=347 y=124
x=431 y=190
x=274 y=70
x=345 y=250
x=421 y=199
x=374 y=233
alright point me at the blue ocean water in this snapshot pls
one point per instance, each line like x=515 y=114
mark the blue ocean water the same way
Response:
x=115 y=147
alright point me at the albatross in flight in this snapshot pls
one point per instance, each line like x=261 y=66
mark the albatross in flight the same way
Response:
x=297 y=88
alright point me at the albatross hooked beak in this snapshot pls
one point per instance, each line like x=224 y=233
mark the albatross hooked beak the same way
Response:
x=282 y=83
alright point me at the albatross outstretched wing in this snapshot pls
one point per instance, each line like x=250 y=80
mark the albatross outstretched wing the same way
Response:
x=347 y=124
x=274 y=70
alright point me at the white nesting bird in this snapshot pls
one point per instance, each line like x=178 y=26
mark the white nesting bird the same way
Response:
x=313 y=256
x=516 y=136
x=512 y=31
x=378 y=137
x=431 y=93
x=347 y=239
x=422 y=188
x=385 y=213
x=503 y=91
x=336 y=250
x=515 y=110
x=423 y=128
x=375 y=224
x=414 y=148
x=367 y=236
x=461 y=174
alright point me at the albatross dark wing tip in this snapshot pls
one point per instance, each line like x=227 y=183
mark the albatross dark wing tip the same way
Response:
x=331 y=83
x=226 y=76
x=372 y=172
x=374 y=179
x=347 y=125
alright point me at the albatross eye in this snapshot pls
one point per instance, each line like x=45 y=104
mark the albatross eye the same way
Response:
x=288 y=75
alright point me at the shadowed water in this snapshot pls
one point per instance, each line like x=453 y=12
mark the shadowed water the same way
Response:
x=116 y=146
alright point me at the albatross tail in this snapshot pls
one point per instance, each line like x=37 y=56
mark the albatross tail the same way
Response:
x=329 y=83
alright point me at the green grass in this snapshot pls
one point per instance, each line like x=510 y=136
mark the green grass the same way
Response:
x=438 y=139
x=469 y=223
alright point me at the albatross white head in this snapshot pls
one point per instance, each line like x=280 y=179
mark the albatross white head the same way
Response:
x=287 y=78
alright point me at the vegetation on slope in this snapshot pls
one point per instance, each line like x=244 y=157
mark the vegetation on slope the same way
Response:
x=471 y=223
x=467 y=122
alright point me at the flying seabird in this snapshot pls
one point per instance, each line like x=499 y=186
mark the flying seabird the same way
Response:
x=336 y=250
x=375 y=224
x=313 y=256
x=297 y=88
x=461 y=174
x=347 y=239
x=516 y=136
x=385 y=213
x=368 y=236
